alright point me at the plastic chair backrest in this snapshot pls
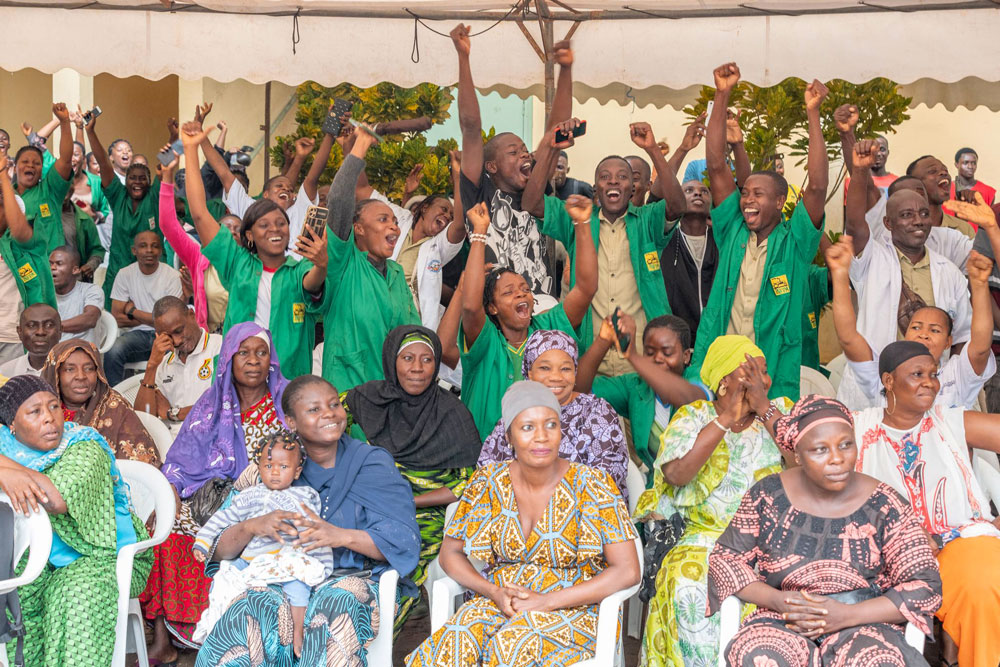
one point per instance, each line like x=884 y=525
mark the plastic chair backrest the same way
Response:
x=106 y=331
x=635 y=481
x=33 y=532
x=129 y=388
x=811 y=381
x=158 y=431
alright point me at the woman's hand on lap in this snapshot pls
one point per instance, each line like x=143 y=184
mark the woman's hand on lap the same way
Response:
x=528 y=600
x=315 y=533
x=504 y=598
x=275 y=525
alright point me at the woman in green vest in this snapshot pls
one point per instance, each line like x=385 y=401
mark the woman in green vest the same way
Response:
x=497 y=315
x=278 y=292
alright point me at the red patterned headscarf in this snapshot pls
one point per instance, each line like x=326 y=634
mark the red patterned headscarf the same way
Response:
x=808 y=412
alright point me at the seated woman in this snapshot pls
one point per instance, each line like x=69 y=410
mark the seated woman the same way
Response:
x=74 y=368
x=219 y=438
x=710 y=454
x=427 y=430
x=592 y=434
x=68 y=469
x=557 y=540
x=835 y=560
x=368 y=520
x=924 y=450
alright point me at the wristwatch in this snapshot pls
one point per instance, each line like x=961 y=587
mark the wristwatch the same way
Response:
x=172 y=414
x=130 y=313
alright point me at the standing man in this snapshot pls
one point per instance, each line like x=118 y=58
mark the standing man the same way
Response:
x=966 y=162
x=937 y=184
x=563 y=186
x=690 y=259
x=764 y=258
x=642 y=176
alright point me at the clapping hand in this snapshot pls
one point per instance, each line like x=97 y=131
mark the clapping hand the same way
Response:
x=979 y=213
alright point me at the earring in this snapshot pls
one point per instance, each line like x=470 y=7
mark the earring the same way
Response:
x=888 y=395
x=722 y=390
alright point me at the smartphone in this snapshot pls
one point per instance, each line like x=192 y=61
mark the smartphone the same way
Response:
x=708 y=110
x=578 y=131
x=316 y=219
x=92 y=114
x=171 y=154
x=623 y=339
x=332 y=125
x=362 y=128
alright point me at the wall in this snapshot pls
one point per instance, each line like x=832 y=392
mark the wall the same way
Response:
x=24 y=96
x=137 y=110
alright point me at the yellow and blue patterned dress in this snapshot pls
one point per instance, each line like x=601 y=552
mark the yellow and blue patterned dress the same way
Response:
x=677 y=632
x=565 y=548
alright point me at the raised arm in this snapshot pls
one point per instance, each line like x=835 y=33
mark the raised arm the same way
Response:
x=981 y=338
x=468 y=107
x=665 y=186
x=311 y=184
x=13 y=216
x=577 y=302
x=448 y=326
x=303 y=147
x=546 y=155
x=817 y=162
x=456 y=230
x=220 y=141
x=64 y=162
x=855 y=223
x=186 y=247
x=193 y=136
x=719 y=177
x=340 y=201
x=734 y=138
x=562 y=100
x=473 y=312
x=100 y=154
x=845 y=118
x=845 y=320
x=590 y=361
x=692 y=137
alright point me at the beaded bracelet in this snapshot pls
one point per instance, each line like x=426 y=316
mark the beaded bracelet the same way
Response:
x=477 y=237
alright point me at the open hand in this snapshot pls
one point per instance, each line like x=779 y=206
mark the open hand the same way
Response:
x=979 y=213
x=845 y=117
x=201 y=111
x=460 y=38
x=413 y=178
x=726 y=76
x=642 y=136
x=734 y=134
x=693 y=134
x=76 y=117
x=192 y=134
x=979 y=268
x=757 y=383
x=816 y=92
x=839 y=255
x=23 y=487
x=315 y=533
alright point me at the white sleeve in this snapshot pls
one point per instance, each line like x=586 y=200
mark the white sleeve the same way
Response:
x=967 y=383
x=861 y=265
x=93 y=296
x=20 y=202
x=121 y=290
x=875 y=217
x=297 y=216
x=403 y=215
x=952 y=244
x=866 y=374
x=962 y=310
x=171 y=284
x=237 y=200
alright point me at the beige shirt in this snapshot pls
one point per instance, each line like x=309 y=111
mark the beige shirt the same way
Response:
x=10 y=305
x=952 y=222
x=918 y=276
x=616 y=288
x=748 y=288
x=217 y=299
x=407 y=258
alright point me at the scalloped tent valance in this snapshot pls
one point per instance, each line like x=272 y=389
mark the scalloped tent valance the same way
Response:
x=649 y=51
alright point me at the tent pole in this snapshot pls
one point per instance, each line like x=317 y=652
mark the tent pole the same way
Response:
x=545 y=27
x=267 y=131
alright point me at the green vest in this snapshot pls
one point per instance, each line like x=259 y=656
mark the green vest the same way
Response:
x=29 y=262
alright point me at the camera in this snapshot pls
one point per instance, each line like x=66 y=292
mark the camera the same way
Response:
x=241 y=157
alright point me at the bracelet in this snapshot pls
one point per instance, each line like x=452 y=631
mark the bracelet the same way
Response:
x=477 y=237
x=721 y=427
x=766 y=417
x=147 y=385
x=577 y=223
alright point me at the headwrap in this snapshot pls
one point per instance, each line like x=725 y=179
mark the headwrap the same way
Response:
x=106 y=410
x=525 y=395
x=541 y=342
x=808 y=412
x=430 y=431
x=725 y=355
x=898 y=352
x=211 y=441
x=16 y=391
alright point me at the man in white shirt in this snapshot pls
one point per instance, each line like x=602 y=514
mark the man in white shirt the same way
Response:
x=80 y=304
x=137 y=288
x=181 y=364
x=39 y=329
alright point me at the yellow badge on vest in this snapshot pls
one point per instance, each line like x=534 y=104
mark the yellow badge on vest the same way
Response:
x=44 y=210
x=652 y=261
x=26 y=272
x=780 y=285
x=298 y=313
x=812 y=320
x=205 y=370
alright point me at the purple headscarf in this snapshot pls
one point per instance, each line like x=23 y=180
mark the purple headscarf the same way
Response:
x=541 y=342
x=210 y=443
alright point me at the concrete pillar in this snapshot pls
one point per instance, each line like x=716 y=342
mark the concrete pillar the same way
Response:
x=74 y=89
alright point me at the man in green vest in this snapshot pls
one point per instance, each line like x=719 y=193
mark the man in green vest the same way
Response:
x=629 y=238
x=762 y=280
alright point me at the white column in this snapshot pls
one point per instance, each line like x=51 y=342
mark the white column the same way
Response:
x=74 y=89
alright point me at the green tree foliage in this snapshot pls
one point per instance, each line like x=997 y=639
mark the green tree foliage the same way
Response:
x=391 y=160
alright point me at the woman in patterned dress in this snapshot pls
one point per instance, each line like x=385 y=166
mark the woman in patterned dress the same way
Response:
x=592 y=434
x=556 y=538
x=427 y=429
x=70 y=610
x=835 y=561
x=219 y=438
x=710 y=454
x=924 y=451
x=74 y=368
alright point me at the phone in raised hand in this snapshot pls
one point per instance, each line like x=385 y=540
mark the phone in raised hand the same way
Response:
x=623 y=338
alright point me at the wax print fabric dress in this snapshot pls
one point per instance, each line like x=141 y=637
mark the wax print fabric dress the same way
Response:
x=563 y=549
x=677 y=631
x=877 y=550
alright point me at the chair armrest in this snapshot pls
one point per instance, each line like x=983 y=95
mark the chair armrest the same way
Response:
x=607 y=625
x=445 y=592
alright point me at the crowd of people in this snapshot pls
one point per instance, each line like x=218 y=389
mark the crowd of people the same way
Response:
x=519 y=349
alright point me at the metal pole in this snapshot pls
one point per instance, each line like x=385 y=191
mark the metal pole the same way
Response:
x=267 y=131
x=545 y=26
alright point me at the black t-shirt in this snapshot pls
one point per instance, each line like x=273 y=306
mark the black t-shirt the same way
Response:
x=513 y=239
x=574 y=186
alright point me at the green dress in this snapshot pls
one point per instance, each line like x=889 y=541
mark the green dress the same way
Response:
x=70 y=611
x=677 y=631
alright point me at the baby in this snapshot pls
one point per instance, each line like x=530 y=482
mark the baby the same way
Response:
x=264 y=560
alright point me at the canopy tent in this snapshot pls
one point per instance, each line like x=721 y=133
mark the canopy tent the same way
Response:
x=643 y=50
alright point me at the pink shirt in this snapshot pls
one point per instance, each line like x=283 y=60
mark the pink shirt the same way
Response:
x=187 y=249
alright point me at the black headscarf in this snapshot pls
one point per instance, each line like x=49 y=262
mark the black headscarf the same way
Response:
x=897 y=352
x=431 y=431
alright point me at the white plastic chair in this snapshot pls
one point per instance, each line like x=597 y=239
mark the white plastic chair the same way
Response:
x=137 y=366
x=811 y=381
x=434 y=570
x=100 y=273
x=380 y=650
x=987 y=470
x=837 y=366
x=106 y=331
x=635 y=482
x=149 y=491
x=158 y=431
x=129 y=388
x=607 y=652
x=317 y=367
x=729 y=625
x=34 y=533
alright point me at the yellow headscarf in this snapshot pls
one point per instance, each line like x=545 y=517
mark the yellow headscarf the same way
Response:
x=724 y=356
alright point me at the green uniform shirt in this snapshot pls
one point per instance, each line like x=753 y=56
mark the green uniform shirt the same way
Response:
x=294 y=312
x=362 y=307
x=791 y=247
x=88 y=242
x=29 y=262
x=490 y=366
x=97 y=199
x=43 y=208
x=645 y=228
x=816 y=299
x=127 y=223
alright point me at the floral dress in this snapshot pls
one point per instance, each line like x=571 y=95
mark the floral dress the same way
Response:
x=565 y=548
x=677 y=631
